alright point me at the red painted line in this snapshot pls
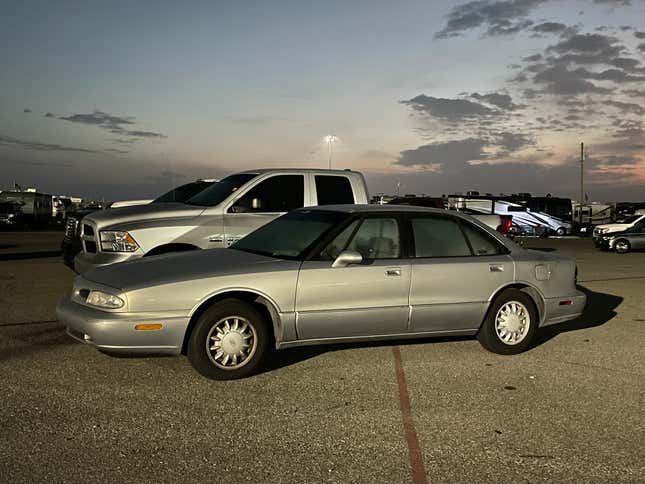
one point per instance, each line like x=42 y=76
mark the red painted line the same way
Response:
x=414 y=449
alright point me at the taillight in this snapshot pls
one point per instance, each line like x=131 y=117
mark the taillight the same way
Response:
x=506 y=224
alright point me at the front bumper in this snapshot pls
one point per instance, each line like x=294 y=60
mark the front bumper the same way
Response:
x=556 y=312
x=601 y=243
x=114 y=332
x=84 y=261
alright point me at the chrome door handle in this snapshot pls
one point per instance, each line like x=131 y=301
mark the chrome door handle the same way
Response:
x=496 y=268
x=393 y=272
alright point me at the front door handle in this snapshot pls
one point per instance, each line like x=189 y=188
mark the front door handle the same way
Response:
x=496 y=268
x=393 y=272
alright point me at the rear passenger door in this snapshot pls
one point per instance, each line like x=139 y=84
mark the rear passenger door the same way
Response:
x=456 y=267
x=262 y=203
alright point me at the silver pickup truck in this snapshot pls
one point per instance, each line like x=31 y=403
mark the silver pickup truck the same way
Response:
x=216 y=217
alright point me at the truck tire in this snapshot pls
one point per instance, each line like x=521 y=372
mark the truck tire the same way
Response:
x=230 y=340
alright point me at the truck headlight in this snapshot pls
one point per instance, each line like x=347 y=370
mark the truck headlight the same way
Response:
x=112 y=241
x=102 y=299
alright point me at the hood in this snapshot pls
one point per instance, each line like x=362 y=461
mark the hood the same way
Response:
x=182 y=266
x=155 y=211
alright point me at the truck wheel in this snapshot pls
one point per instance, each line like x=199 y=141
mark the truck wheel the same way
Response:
x=622 y=246
x=229 y=341
x=510 y=325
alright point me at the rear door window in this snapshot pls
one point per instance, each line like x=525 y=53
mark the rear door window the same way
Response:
x=481 y=243
x=438 y=237
x=332 y=190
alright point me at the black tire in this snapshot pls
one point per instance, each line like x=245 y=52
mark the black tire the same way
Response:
x=488 y=336
x=622 y=246
x=561 y=231
x=203 y=359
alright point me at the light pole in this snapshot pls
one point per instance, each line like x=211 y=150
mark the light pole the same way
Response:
x=330 y=139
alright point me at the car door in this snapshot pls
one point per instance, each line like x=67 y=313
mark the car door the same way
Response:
x=263 y=202
x=636 y=235
x=456 y=268
x=366 y=299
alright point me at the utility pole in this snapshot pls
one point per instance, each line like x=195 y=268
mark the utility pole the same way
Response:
x=582 y=180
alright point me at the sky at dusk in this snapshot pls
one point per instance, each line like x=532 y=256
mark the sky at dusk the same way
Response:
x=123 y=100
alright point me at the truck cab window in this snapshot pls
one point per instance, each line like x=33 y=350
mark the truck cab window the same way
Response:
x=332 y=190
x=277 y=194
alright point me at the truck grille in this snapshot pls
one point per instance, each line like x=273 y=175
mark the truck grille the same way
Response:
x=89 y=239
x=71 y=228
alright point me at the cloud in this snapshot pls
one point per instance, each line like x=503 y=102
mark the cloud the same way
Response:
x=49 y=115
x=26 y=110
x=561 y=81
x=597 y=46
x=114 y=150
x=641 y=47
x=616 y=3
x=448 y=109
x=456 y=152
x=500 y=100
x=630 y=108
x=639 y=35
x=113 y=124
x=9 y=141
x=635 y=92
x=501 y=17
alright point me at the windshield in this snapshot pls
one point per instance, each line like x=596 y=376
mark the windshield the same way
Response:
x=183 y=193
x=629 y=220
x=289 y=236
x=217 y=192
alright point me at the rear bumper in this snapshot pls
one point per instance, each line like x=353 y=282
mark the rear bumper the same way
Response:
x=560 y=309
x=114 y=332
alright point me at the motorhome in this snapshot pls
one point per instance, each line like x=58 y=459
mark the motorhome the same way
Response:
x=589 y=215
x=36 y=207
x=525 y=220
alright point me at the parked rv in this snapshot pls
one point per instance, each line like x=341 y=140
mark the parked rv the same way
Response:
x=589 y=215
x=525 y=220
x=36 y=207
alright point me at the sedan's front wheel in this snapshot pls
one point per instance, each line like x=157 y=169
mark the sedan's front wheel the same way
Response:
x=230 y=340
x=510 y=325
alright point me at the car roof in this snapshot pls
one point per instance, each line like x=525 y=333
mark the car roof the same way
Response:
x=306 y=170
x=375 y=208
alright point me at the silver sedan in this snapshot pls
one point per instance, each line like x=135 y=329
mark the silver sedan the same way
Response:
x=322 y=275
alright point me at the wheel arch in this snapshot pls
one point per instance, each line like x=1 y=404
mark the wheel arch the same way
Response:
x=535 y=295
x=264 y=304
x=172 y=247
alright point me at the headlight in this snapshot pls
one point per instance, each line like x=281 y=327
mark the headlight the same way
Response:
x=104 y=300
x=117 y=242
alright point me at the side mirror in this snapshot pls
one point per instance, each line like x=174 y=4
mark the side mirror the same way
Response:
x=346 y=258
x=256 y=203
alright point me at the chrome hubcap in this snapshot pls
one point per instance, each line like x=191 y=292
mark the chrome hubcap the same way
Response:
x=231 y=342
x=512 y=322
x=621 y=246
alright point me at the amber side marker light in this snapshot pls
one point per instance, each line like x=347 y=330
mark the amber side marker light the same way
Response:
x=147 y=327
x=566 y=303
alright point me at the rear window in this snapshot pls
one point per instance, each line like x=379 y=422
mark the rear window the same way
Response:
x=332 y=190
x=481 y=243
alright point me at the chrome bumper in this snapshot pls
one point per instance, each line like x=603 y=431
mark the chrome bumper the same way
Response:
x=555 y=312
x=115 y=332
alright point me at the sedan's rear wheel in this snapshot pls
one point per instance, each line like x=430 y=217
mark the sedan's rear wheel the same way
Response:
x=230 y=340
x=622 y=246
x=510 y=325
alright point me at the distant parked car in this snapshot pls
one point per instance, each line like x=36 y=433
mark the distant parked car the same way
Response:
x=319 y=275
x=622 y=224
x=11 y=215
x=632 y=238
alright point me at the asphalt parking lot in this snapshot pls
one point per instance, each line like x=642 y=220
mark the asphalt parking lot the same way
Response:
x=569 y=410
